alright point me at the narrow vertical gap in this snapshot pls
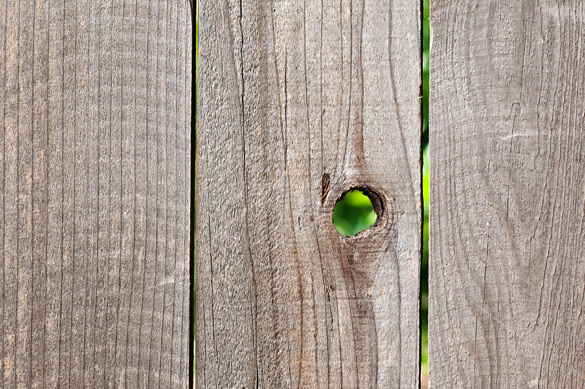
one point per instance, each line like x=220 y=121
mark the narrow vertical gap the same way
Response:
x=424 y=274
x=194 y=50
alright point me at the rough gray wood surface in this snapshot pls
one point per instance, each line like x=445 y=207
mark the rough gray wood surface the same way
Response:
x=507 y=266
x=94 y=193
x=299 y=102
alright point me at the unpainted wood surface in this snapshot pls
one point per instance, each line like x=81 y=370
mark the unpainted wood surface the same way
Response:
x=507 y=249
x=298 y=102
x=94 y=193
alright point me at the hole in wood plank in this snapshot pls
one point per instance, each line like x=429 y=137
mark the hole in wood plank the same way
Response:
x=357 y=210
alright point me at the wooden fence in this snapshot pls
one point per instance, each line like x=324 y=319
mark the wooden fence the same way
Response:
x=301 y=101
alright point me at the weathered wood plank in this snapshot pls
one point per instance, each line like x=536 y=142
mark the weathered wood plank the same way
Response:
x=95 y=193
x=507 y=266
x=290 y=93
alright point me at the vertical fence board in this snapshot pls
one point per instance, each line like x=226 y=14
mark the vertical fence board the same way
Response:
x=507 y=266
x=94 y=193
x=297 y=103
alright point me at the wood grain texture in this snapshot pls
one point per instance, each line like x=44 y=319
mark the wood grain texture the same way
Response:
x=290 y=92
x=94 y=193
x=507 y=259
